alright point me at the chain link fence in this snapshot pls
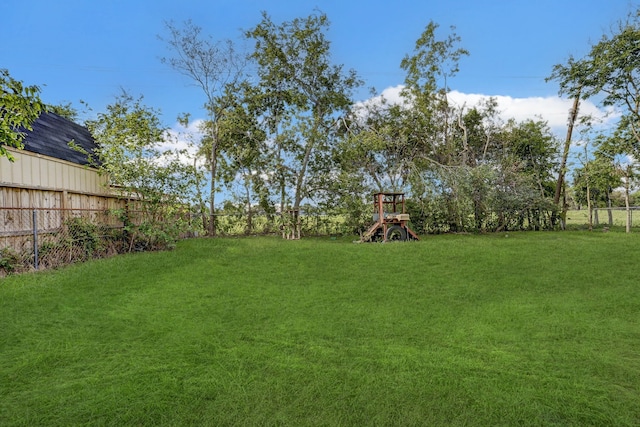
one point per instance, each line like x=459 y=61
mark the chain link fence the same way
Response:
x=49 y=238
x=36 y=239
x=311 y=223
x=606 y=217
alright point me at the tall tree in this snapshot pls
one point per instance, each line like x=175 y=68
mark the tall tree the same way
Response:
x=294 y=65
x=622 y=143
x=475 y=137
x=212 y=66
x=560 y=182
x=429 y=117
x=593 y=182
x=130 y=139
x=610 y=70
x=370 y=149
x=245 y=158
x=429 y=120
x=20 y=106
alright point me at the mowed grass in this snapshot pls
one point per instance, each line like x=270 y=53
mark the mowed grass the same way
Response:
x=507 y=329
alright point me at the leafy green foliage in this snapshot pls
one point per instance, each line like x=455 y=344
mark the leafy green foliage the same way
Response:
x=85 y=235
x=20 y=106
x=131 y=152
x=610 y=70
x=65 y=110
x=10 y=261
x=300 y=84
x=601 y=177
x=81 y=238
x=215 y=68
x=464 y=168
x=432 y=62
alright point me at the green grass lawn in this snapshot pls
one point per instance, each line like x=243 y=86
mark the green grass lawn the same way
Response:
x=506 y=329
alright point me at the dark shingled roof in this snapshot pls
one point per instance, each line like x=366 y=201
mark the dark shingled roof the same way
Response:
x=51 y=135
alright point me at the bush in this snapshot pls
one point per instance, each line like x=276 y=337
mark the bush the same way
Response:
x=85 y=237
x=10 y=262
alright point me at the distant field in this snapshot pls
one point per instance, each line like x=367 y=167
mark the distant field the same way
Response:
x=581 y=217
x=509 y=329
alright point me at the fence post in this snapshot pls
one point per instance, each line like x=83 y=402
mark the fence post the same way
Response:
x=35 y=239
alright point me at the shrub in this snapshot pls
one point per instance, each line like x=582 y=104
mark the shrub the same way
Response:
x=10 y=261
x=85 y=237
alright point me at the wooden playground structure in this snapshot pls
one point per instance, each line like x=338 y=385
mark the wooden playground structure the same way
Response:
x=390 y=219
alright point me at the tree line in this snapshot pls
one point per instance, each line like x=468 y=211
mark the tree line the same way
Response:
x=282 y=131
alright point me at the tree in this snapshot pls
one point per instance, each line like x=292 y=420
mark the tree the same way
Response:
x=621 y=142
x=65 y=110
x=245 y=158
x=296 y=73
x=428 y=122
x=212 y=66
x=476 y=136
x=610 y=70
x=428 y=113
x=408 y=146
x=373 y=147
x=561 y=181
x=130 y=152
x=629 y=173
x=20 y=106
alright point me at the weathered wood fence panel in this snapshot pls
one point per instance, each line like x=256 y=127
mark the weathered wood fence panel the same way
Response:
x=54 y=207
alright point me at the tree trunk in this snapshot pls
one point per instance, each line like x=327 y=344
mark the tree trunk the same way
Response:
x=301 y=175
x=201 y=202
x=299 y=185
x=247 y=187
x=465 y=140
x=282 y=204
x=282 y=188
x=589 y=206
x=626 y=199
x=573 y=116
x=609 y=211
x=212 y=195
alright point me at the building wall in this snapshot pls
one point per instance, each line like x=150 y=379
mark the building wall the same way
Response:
x=36 y=171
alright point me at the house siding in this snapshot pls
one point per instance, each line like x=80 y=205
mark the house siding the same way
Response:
x=36 y=171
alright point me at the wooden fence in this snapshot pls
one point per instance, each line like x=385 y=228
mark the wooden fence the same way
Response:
x=24 y=197
x=17 y=205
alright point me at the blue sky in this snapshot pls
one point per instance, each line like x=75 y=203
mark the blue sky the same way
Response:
x=87 y=49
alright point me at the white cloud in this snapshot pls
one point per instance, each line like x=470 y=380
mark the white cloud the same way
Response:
x=181 y=137
x=628 y=160
x=392 y=94
x=552 y=109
